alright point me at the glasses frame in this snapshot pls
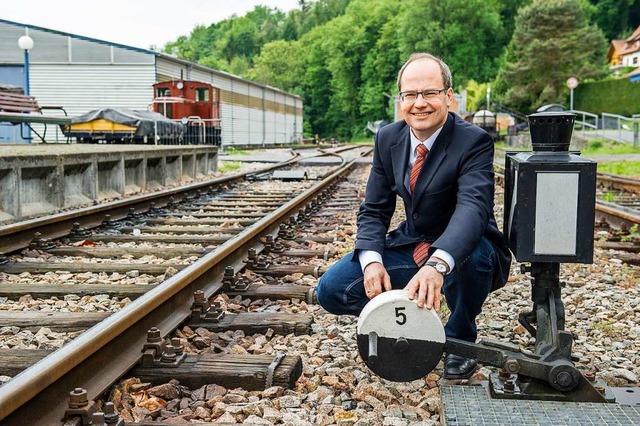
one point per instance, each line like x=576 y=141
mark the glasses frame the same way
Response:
x=422 y=93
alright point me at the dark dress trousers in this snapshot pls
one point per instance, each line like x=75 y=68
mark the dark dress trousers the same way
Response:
x=452 y=204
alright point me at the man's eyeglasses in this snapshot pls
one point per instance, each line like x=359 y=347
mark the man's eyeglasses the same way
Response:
x=409 y=97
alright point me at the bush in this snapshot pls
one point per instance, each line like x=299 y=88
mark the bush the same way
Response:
x=612 y=96
x=595 y=144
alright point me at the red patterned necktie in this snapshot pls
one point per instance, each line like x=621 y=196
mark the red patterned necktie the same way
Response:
x=421 y=251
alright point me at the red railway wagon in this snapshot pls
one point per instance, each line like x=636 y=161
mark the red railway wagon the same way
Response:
x=196 y=103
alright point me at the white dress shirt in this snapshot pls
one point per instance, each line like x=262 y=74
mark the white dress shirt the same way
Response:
x=369 y=256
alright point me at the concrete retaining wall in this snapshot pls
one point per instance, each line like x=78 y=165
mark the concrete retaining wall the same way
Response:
x=34 y=182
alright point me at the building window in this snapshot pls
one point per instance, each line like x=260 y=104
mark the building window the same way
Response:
x=202 y=94
x=635 y=60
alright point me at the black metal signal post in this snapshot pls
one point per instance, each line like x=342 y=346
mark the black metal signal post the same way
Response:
x=549 y=219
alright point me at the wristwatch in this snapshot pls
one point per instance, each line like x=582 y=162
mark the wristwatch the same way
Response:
x=440 y=267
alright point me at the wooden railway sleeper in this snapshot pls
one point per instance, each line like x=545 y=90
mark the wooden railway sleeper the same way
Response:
x=203 y=310
x=155 y=353
x=271 y=245
x=284 y=270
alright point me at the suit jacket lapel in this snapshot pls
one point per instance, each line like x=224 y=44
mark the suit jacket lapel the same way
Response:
x=400 y=159
x=433 y=160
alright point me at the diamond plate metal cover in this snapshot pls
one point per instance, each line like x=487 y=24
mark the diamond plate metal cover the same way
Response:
x=471 y=406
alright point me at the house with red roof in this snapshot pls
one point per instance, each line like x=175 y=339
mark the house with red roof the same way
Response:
x=626 y=53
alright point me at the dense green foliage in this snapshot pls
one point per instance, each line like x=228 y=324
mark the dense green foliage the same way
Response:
x=552 y=40
x=617 y=18
x=612 y=96
x=342 y=56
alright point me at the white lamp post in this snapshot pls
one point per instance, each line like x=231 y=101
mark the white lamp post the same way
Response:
x=26 y=43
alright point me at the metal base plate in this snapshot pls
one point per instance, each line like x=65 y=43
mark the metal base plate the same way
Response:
x=471 y=405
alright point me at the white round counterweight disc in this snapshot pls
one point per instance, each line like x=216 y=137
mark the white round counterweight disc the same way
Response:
x=397 y=340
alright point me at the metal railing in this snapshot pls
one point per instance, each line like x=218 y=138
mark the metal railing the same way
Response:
x=620 y=128
x=200 y=131
x=585 y=120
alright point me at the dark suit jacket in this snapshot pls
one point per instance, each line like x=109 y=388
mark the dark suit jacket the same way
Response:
x=452 y=204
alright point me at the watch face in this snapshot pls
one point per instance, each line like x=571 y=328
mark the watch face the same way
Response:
x=441 y=268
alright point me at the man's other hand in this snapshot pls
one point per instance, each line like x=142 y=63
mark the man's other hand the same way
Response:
x=375 y=279
x=427 y=284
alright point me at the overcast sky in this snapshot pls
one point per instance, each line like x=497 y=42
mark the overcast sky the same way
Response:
x=139 y=23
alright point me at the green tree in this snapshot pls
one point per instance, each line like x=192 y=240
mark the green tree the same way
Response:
x=467 y=34
x=617 y=18
x=476 y=95
x=279 y=64
x=552 y=40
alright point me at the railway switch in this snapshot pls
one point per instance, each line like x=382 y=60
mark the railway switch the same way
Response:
x=549 y=219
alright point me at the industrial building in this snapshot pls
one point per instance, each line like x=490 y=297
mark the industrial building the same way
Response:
x=83 y=74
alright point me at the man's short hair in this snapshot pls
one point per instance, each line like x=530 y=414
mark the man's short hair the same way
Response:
x=444 y=68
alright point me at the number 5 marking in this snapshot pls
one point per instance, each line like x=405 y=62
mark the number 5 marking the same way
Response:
x=401 y=317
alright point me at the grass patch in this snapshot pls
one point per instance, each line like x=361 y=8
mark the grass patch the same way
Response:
x=608 y=197
x=227 y=166
x=606 y=146
x=235 y=151
x=624 y=168
x=608 y=329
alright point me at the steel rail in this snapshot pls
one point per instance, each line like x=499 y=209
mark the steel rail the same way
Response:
x=621 y=182
x=617 y=213
x=97 y=358
x=17 y=236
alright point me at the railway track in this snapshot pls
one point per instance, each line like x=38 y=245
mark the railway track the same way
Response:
x=260 y=294
x=144 y=270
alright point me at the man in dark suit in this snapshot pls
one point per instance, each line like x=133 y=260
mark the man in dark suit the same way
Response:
x=442 y=168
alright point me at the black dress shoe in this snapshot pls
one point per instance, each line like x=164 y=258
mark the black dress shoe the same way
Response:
x=458 y=367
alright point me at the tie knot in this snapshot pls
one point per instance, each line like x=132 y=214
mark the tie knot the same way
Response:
x=421 y=150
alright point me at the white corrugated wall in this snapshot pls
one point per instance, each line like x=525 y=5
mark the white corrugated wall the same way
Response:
x=81 y=88
x=256 y=115
x=270 y=116
x=281 y=125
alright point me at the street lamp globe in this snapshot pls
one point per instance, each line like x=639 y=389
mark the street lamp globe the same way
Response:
x=25 y=42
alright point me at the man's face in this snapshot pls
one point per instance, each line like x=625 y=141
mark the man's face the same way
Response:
x=424 y=116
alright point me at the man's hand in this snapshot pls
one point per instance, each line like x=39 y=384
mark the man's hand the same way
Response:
x=427 y=283
x=375 y=279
